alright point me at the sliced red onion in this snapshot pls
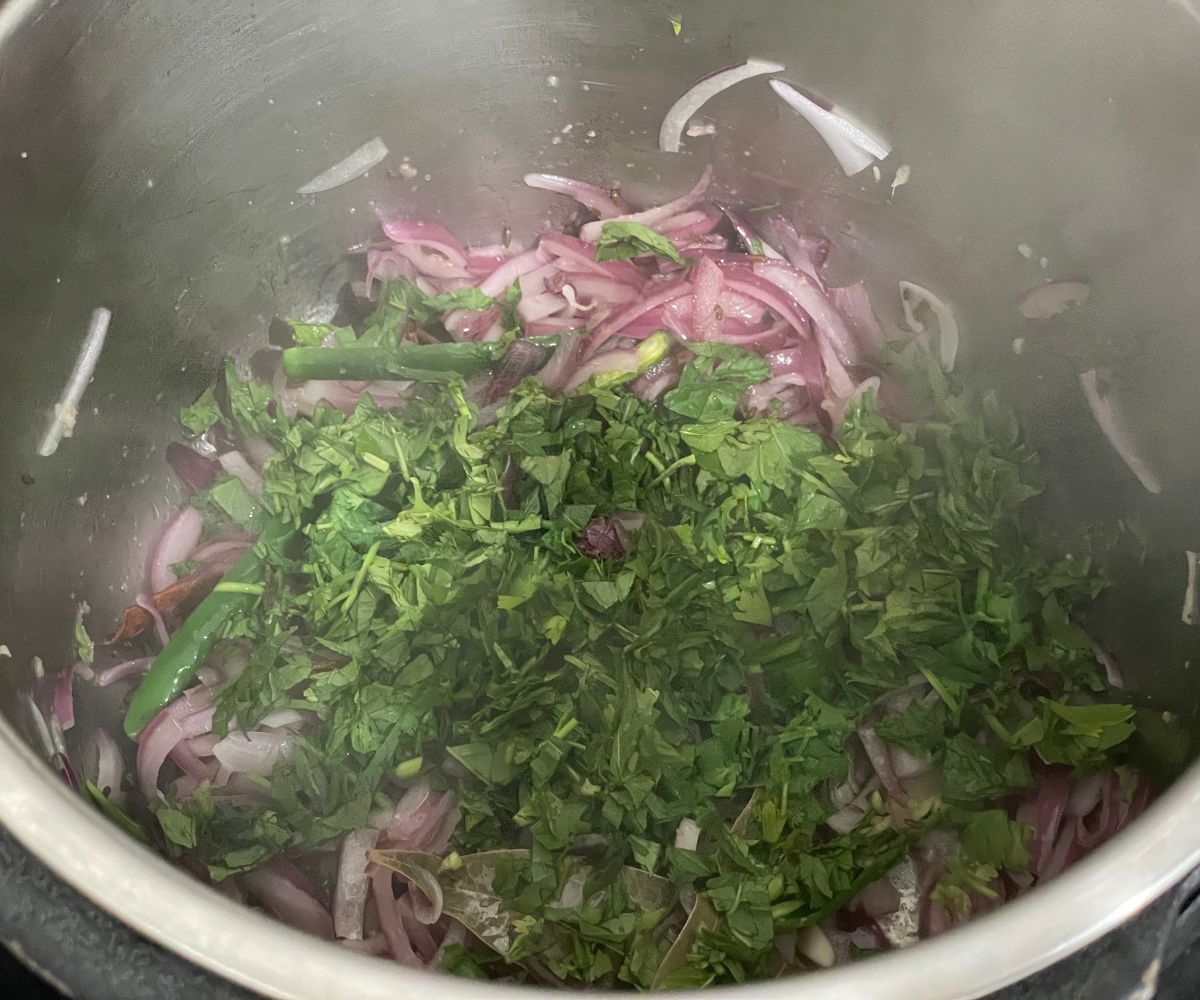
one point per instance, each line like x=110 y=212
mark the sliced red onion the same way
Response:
x=1191 y=604
x=1086 y=794
x=424 y=821
x=63 y=705
x=419 y=933
x=353 y=884
x=687 y=834
x=429 y=235
x=389 y=918
x=223 y=548
x=386 y=265
x=41 y=729
x=708 y=282
x=373 y=944
x=431 y=264
x=368 y=155
x=202 y=746
x=289 y=902
x=657 y=379
x=194 y=470
x=1112 y=672
x=855 y=148
x=670 y=134
x=1064 y=853
x=854 y=304
x=469 y=324
x=652 y=216
x=110 y=764
x=238 y=466
x=1111 y=419
x=576 y=256
x=604 y=289
x=622 y=318
x=254 y=752
x=546 y=277
x=190 y=764
x=176 y=543
x=912 y=297
x=159 y=738
x=813 y=944
x=258 y=450
x=806 y=252
x=563 y=362
x=146 y=603
x=1052 y=298
x=838 y=348
x=496 y=283
x=281 y=717
x=621 y=359
x=1051 y=805
x=410 y=805
x=535 y=307
x=488 y=258
x=881 y=762
x=604 y=203
x=907 y=765
x=853 y=813
x=752 y=243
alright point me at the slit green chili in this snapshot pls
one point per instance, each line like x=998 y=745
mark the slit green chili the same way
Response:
x=183 y=656
x=418 y=362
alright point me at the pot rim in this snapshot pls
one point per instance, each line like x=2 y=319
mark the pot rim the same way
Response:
x=174 y=910
x=180 y=913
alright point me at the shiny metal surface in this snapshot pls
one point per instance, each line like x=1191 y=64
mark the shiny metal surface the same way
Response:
x=149 y=155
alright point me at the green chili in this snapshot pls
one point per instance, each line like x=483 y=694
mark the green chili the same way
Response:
x=181 y=658
x=417 y=362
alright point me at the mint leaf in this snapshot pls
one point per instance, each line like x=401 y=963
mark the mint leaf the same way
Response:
x=85 y=648
x=711 y=386
x=623 y=240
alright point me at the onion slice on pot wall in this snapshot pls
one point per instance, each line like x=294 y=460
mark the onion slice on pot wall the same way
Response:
x=1191 y=605
x=912 y=297
x=368 y=155
x=1052 y=298
x=604 y=203
x=670 y=134
x=854 y=147
x=1112 y=423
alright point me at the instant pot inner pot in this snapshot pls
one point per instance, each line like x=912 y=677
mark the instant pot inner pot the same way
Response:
x=150 y=152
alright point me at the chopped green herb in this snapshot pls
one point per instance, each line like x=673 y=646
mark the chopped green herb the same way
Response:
x=622 y=240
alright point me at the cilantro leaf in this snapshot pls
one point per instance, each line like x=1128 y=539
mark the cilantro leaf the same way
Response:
x=202 y=414
x=974 y=773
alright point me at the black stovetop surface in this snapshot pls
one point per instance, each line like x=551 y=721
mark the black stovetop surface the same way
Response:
x=1181 y=981
x=100 y=959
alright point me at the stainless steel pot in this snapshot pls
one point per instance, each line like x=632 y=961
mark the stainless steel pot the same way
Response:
x=149 y=154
